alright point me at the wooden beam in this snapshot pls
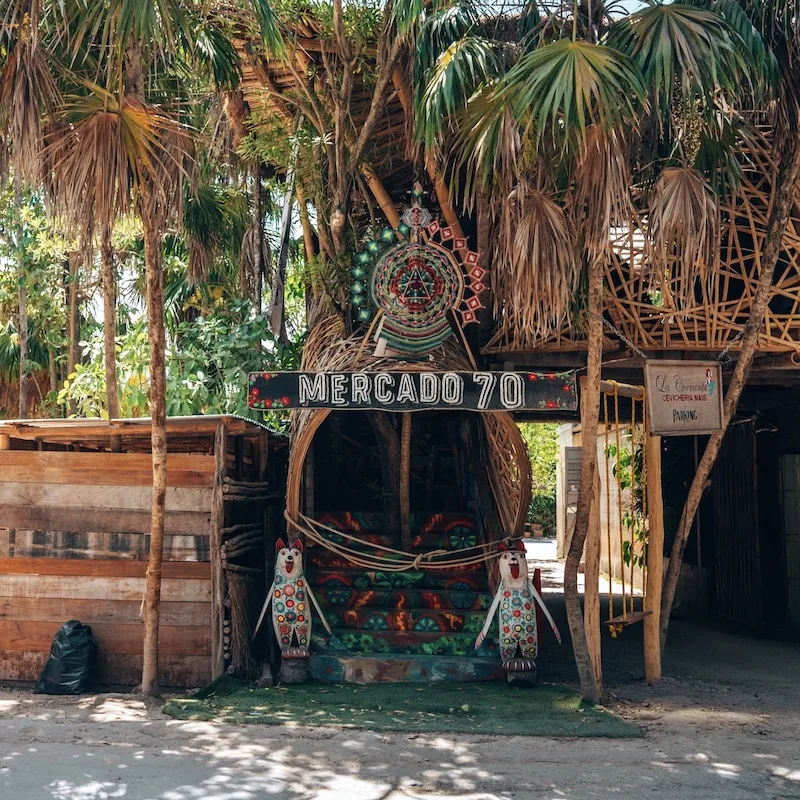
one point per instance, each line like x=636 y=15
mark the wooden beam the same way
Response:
x=5 y=441
x=215 y=545
x=655 y=560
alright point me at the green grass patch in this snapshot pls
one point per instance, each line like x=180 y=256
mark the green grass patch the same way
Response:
x=482 y=708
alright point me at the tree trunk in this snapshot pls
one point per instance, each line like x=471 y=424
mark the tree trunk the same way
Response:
x=158 y=413
x=73 y=321
x=389 y=453
x=785 y=190
x=51 y=368
x=590 y=405
x=109 y=323
x=22 y=298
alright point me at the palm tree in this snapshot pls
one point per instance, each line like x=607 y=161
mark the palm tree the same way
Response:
x=577 y=124
x=27 y=93
x=146 y=51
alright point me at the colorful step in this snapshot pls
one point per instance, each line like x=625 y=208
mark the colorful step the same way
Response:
x=355 y=668
x=457 y=599
x=412 y=642
x=473 y=580
x=419 y=620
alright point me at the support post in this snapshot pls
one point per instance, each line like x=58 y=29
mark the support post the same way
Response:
x=5 y=441
x=591 y=587
x=655 y=560
x=215 y=546
x=405 y=481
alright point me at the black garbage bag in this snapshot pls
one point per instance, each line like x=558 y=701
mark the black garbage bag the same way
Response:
x=70 y=667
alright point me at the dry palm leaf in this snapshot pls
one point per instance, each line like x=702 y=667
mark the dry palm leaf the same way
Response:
x=602 y=201
x=683 y=228
x=27 y=93
x=535 y=265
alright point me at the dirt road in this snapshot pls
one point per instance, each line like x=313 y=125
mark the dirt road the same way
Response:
x=723 y=725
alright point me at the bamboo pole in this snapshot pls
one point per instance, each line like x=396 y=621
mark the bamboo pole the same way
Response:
x=439 y=184
x=215 y=546
x=381 y=195
x=655 y=560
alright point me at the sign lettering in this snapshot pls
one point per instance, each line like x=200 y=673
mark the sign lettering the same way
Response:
x=414 y=391
x=684 y=397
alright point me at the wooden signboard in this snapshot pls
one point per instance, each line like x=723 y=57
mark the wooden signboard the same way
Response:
x=683 y=397
x=414 y=391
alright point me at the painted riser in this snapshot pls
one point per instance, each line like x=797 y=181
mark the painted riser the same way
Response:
x=348 y=668
x=474 y=580
x=411 y=642
x=380 y=598
x=418 y=620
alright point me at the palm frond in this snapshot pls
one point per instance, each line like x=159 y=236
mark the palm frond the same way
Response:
x=561 y=89
x=602 y=198
x=535 y=265
x=686 y=54
x=458 y=73
x=27 y=93
x=215 y=52
x=683 y=233
x=269 y=26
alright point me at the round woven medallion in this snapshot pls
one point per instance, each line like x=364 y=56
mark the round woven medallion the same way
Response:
x=416 y=284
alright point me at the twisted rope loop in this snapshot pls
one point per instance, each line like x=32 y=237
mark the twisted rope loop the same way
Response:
x=400 y=561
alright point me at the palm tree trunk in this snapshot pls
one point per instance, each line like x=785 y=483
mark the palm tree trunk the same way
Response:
x=158 y=414
x=109 y=323
x=22 y=299
x=590 y=406
x=73 y=320
x=785 y=191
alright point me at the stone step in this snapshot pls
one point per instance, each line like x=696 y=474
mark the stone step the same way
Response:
x=473 y=580
x=456 y=599
x=411 y=642
x=419 y=620
x=398 y=668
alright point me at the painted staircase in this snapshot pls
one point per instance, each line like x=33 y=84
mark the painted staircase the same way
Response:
x=409 y=626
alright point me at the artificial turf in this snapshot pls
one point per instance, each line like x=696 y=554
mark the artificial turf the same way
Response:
x=479 y=708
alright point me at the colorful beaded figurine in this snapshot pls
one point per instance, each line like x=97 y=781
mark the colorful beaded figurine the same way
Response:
x=514 y=602
x=289 y=593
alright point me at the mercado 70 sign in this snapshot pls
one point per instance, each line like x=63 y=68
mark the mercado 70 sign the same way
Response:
x=414 y=391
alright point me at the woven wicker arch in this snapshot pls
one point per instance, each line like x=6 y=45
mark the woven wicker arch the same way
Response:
x=326 y=351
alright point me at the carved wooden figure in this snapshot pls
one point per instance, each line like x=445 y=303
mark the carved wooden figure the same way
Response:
x=290 y=595
x=516 y=615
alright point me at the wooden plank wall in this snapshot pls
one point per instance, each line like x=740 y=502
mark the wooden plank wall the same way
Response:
x=73 y=545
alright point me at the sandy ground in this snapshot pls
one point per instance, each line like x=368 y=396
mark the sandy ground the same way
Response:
x=724 y=724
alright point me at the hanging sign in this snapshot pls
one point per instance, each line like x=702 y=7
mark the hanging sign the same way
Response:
x=683 y=397
x=414 y=391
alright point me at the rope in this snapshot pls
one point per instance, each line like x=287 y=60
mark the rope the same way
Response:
x=608 y=513
x=619 y=500
x=645 y=507
x=406 y=562
x=633 y=499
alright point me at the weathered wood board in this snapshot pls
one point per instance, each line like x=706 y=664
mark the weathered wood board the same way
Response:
x=37 y=595
x=101 y=495
x=116 y=469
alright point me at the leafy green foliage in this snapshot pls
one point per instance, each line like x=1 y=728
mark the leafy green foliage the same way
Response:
x=542 y=442
x=207 y=361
